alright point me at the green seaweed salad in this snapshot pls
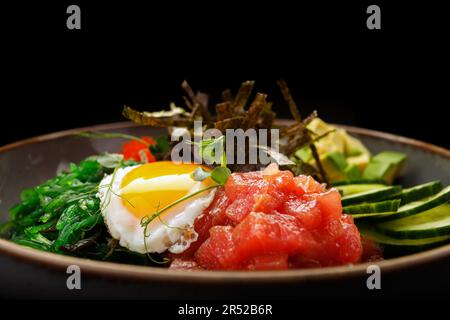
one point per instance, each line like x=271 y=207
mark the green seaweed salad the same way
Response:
x=63 y=215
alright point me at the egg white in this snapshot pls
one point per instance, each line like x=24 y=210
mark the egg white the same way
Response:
x=175 y=234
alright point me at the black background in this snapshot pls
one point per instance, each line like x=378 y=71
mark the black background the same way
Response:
x=394 y=79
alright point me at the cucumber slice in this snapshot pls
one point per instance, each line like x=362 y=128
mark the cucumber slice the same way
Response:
x=371 y=195
x=349 y=189
x=356 y=181
x=372 y=215
x=422 y=205
x=421 y=191
x=431 y=223
x=386 y=240
x=373 y=207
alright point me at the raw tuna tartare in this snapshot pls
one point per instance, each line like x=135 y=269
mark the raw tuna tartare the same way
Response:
x=272 y=220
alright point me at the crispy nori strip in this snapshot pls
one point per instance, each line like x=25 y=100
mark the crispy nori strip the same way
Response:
x=202 y=99
x=242 y=96
x=230 y=123
x=252 y=115
x=145 y=118
x=224 y=111
x=227 y=96
x=298 y=127
x=267 y=117
x=188 y=103
x=196 y=110
x=232 y=114
x=293 y=143
x=289 y=100
x=315 y=154
x=195 y=101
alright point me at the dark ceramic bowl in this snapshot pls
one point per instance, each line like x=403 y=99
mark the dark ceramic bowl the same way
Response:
x=26 y=272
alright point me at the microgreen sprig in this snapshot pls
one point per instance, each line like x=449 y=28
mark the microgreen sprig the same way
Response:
x=208 y=148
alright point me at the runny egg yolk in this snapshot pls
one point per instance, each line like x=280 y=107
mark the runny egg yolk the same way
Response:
x=153 y=186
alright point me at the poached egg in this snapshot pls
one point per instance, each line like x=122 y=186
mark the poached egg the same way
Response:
x=135 y=193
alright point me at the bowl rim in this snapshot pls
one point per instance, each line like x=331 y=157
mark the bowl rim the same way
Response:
x=144 y=273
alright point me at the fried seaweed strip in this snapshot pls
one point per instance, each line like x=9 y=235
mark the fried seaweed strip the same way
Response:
x=299 y=131
x=229 y=114
x=313 y=147
x=310 y=118
x=206 y=115
x=224 y=111
x=230 y=123
x=203 y=99
x=227 y=96
x=146 y=118
x=298 y=127
x=294 y=142
x=195 y=112
x=242 y=96
x=316 y=157
x=289 y=100
x=252 y=115
x=188 y=103
x=267 y=117
x=232 y=114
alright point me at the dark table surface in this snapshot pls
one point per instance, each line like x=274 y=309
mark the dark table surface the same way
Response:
x=393 y=79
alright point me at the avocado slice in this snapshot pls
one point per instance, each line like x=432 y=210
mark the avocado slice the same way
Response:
x=343 y=156
x=355 y=151
x=335 y=164
x=353 y=147
x=329 y=143
x=360 y=161
x=385 y=166
x=352 y=172
x=394 y=157
x=304 y=154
